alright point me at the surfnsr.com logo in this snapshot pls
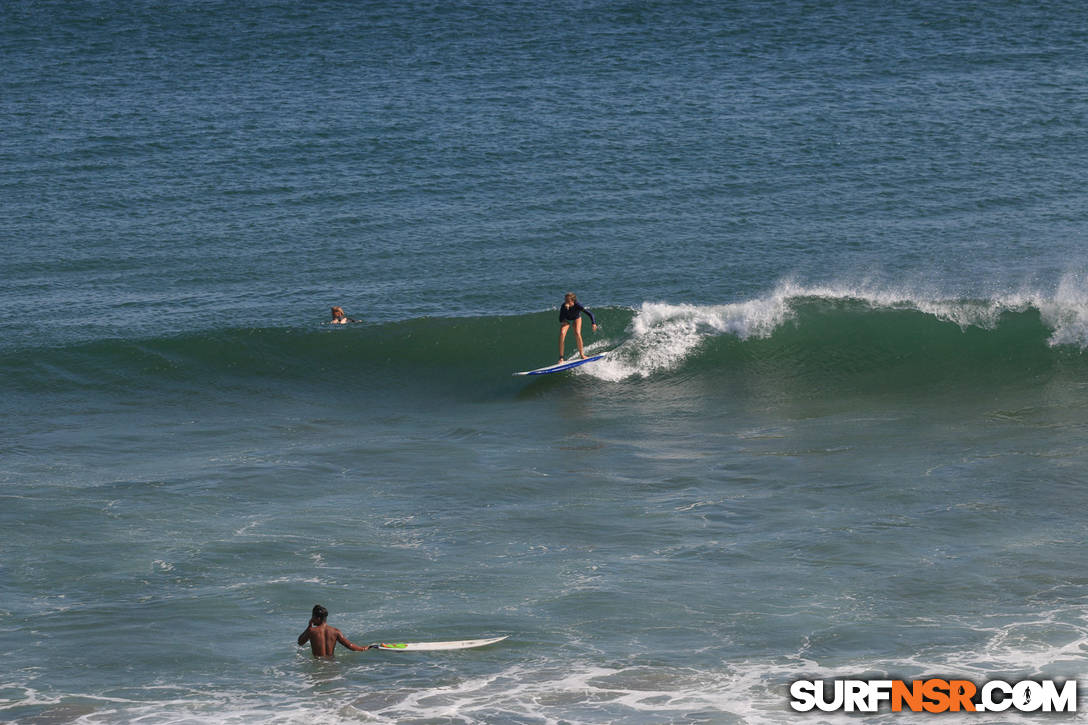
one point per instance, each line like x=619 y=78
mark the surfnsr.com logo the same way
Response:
x=933 y=695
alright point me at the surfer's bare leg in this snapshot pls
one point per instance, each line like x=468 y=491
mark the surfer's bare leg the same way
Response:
x=562 y=337
x=578 y=337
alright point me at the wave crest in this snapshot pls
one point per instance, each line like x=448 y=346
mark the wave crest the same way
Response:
x=853 y=326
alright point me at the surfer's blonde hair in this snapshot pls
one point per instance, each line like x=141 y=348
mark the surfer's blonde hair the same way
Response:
x=570 y=297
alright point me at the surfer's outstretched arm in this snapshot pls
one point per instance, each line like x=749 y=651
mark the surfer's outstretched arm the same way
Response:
x=353 y=647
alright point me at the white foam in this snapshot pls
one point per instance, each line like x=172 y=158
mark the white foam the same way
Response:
x=663 y=335
x=1043 y=644
x=1067 y=312
x=567 y=694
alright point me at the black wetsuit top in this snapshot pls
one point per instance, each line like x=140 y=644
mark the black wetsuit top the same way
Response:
x=570 y=314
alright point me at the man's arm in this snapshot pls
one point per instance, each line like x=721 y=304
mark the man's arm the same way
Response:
x=305 y=636
x=353 y=647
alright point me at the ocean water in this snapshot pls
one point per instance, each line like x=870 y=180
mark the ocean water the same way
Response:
x=837 y=251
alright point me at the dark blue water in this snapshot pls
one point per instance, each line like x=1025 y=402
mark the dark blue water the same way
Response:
x=835 y=248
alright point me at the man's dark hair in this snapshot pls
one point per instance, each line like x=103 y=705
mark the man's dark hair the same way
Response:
x=320 y=613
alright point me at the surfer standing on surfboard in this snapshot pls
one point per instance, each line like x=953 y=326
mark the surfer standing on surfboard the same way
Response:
x=322 y=637
x=570 y=313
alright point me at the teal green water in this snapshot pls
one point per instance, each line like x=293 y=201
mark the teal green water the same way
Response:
x=836 y=254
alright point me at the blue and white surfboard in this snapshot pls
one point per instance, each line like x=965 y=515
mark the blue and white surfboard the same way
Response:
x=560 y=367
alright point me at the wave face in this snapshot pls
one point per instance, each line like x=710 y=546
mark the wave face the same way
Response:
x=819 y=337
x=838 y=334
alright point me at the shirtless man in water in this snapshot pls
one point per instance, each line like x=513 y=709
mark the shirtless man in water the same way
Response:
x=322 y=637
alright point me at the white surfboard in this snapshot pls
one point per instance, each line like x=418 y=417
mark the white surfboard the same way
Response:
x=437 y=646
x=560 y=367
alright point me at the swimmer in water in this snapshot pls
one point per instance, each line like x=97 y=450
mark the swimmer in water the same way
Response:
x=338 y=317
